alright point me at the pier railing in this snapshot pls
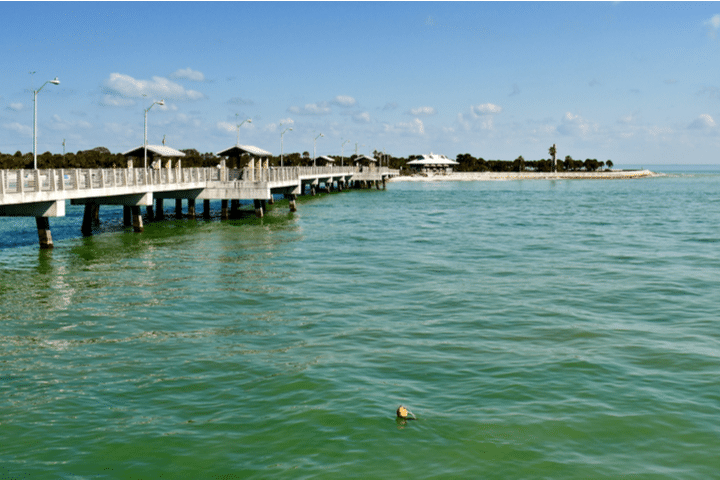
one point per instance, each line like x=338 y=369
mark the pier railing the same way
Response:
x=53 y=180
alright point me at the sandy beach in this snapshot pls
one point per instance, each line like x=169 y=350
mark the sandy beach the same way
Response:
x=495 y=176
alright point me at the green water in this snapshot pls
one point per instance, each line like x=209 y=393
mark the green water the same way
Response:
x=537 y=329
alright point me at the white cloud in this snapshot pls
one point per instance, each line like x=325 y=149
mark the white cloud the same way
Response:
x=485 y=109
x=344 y=101
x=16 y=106
x=320 y=108
x=18 y=128
x=713 y=23
x=576 y=126
x=702 y=122
x=125 y=86
x=414 y=127
x=422 y=111
x=116 y=101
x=189 y=74
x=363 y=117
x=226 y=127
x=59 y=124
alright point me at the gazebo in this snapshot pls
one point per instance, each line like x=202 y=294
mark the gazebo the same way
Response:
x=154 y=153
x=433 y=163
x=324 y=160
x=237 y=151
x=365 y=160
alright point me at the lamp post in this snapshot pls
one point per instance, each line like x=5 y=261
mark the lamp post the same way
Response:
x=237 y=141
x=35 y=92
x=282 y=164
x=161 y=103
x=315 y=142
x=342 y=152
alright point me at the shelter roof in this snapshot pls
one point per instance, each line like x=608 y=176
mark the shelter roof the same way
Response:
x=238 y=150
x=158 y=150
x=365 y=157
x=325 y=158
x=433 y=159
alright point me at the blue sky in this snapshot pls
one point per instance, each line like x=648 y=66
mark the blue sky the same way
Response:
x=638 y=83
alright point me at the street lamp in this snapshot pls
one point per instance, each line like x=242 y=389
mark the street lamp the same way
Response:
x=314 y=142
x=342 y=152
x=161 y=103
x=35 y=92
x=281 y=145
x=237 y=141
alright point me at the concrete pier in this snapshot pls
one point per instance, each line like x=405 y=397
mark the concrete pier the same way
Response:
x=44 y=193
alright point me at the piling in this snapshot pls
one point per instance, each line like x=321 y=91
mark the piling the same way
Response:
x=137 y=220
x=44 y=235
x=206 y=208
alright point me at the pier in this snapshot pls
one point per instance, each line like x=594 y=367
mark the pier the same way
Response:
x=43 y=193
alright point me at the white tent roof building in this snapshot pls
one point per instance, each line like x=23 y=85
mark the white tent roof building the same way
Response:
x=433 y=163
x=434 y=160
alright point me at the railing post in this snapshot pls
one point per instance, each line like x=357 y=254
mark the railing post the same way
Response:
x=2 y=182
x=51 y=179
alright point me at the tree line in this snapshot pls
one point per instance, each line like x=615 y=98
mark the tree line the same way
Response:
x=101 y=157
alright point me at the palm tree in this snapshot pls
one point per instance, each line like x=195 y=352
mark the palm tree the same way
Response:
x=609 y=164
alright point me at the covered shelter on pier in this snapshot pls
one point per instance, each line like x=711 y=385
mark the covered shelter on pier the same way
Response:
x=154 y=153
x=365 y=160
x=324 y=160
x=235 y=153
x=432 y=163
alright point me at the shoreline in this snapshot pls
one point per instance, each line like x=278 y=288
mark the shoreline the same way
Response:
x=499 y=176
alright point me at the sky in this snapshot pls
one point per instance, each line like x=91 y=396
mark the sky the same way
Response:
x=637 y=83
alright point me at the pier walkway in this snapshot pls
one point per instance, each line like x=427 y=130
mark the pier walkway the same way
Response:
x=43 y=193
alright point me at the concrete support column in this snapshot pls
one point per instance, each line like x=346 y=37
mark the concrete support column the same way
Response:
x=137 y=221
x=206 y=208
x=384 y=183
x=178 y=208
x=191 y=208
x=127 y=216
x=293 y=205
x=377 y=185
x=271 y=200
x=150 y=212
x=224 y=209
x=88 y=217
x=159 y=210
x=312 y=190
x=44 y=235
x=259 y=212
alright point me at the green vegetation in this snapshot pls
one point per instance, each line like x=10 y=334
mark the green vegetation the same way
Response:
x=101 y=157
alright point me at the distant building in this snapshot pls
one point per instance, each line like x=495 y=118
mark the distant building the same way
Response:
x=432 y=164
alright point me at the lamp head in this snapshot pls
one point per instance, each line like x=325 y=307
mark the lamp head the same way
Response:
x=55 y=81
x=161 y=102
x=249 y=120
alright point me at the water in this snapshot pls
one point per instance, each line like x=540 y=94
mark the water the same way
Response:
x=537 y=329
